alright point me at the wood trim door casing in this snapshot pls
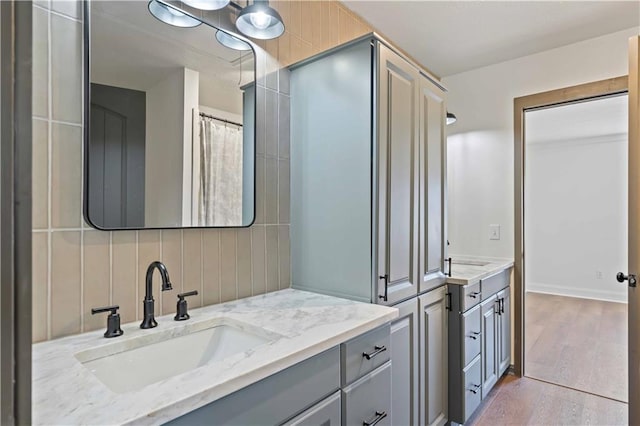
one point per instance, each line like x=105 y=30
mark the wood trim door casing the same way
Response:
x=634 y=230
x=579 y=93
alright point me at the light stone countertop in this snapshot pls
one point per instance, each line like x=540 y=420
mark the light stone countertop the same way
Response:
x=466 y=269
x=301 y=324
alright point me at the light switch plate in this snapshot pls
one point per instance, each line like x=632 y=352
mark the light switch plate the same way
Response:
x=494 y=232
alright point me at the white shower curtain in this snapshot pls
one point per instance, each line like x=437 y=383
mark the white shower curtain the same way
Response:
x=220 y=173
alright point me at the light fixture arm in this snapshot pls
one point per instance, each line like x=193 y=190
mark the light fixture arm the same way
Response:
x=235 y=5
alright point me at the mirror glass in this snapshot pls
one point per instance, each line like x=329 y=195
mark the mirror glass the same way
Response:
x=170 y=113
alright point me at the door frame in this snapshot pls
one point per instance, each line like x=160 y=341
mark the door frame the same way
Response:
x=548 y=99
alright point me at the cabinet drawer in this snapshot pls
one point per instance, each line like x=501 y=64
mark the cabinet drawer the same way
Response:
x=324 y=413
x=470 y=295
x=493 y=284
x=365 y=353
x=368 y=400
x=471 y=334
x=274 y=399
x=472 y=379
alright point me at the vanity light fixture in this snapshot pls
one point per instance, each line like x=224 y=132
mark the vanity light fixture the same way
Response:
x=207 y=4
x=451 y=118
x=171 y=16
x=260 y=21
x=231 y=42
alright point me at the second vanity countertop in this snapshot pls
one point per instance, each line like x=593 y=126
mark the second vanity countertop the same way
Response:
x=470 y=269
x=304 y=324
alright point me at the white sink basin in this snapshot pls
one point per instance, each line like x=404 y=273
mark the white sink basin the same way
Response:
x=134 y=364
x=470 y=262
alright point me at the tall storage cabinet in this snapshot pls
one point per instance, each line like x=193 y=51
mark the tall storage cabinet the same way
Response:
x=367 y=202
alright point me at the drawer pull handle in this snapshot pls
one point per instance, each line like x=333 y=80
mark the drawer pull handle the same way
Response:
x=475 y=389
x=475 y=294
x=379 y=416
x=378 y=349
x=474 y=335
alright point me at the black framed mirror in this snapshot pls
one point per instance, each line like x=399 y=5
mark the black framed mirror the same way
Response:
x=170 y=117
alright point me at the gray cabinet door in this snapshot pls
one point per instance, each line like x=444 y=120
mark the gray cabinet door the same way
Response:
x=489 y=344
x=405 y=376
x=368 y=400
x=398 y=170
x=324 y=413
x=433 y=357
x=504 y=331
x=432 y=114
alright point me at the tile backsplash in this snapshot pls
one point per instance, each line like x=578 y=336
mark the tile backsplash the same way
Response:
x=76 y=267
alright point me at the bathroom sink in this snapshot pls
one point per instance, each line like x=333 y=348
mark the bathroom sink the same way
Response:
x=134 y=364
x=470 y=262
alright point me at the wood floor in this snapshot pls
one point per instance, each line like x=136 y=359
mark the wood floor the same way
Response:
x=578 y=343
x=527 y=401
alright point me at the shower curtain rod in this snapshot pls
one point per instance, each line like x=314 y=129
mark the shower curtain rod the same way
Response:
x=202 y=114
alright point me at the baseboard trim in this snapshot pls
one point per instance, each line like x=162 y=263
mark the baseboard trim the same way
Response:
x=582 y=293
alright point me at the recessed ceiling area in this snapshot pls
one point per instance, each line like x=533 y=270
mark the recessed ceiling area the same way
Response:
x=450 y=37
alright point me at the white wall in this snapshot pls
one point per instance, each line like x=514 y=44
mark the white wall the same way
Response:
x=169 y=126
x=480 y=145
x=576 y=200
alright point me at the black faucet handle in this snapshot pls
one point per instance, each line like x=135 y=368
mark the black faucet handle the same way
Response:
x=187 y=294
x=181 y=307
x=113 y=320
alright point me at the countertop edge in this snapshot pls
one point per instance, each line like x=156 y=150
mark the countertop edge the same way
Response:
x=494 y=267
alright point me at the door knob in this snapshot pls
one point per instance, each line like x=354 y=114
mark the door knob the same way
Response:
x=622 y=278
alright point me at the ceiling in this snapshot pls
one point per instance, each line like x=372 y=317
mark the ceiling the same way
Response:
x=450 y=37
x=578 y=121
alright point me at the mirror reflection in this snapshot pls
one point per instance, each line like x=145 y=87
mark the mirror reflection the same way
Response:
x=171 y=120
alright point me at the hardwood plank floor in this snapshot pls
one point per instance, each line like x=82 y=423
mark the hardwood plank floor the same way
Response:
x=526 y=401
x=577 y=343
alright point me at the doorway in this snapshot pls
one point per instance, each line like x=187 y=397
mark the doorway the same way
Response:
x=575 y=227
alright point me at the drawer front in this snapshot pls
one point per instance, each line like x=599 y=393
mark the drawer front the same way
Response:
x=324 y=413
x=368 y=401
x=274 y=399
x=365 y=353
x=493 y=284
x=470 y=296
x=471 y=334
x=472 y=379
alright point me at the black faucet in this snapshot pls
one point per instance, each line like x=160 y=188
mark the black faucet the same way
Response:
x=148 y=320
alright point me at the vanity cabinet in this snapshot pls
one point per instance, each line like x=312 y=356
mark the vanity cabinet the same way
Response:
x=349 y=384
x=405 y=365
x=479 y=342
x=433 y=357
x=489 y=341
x=504 y=330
